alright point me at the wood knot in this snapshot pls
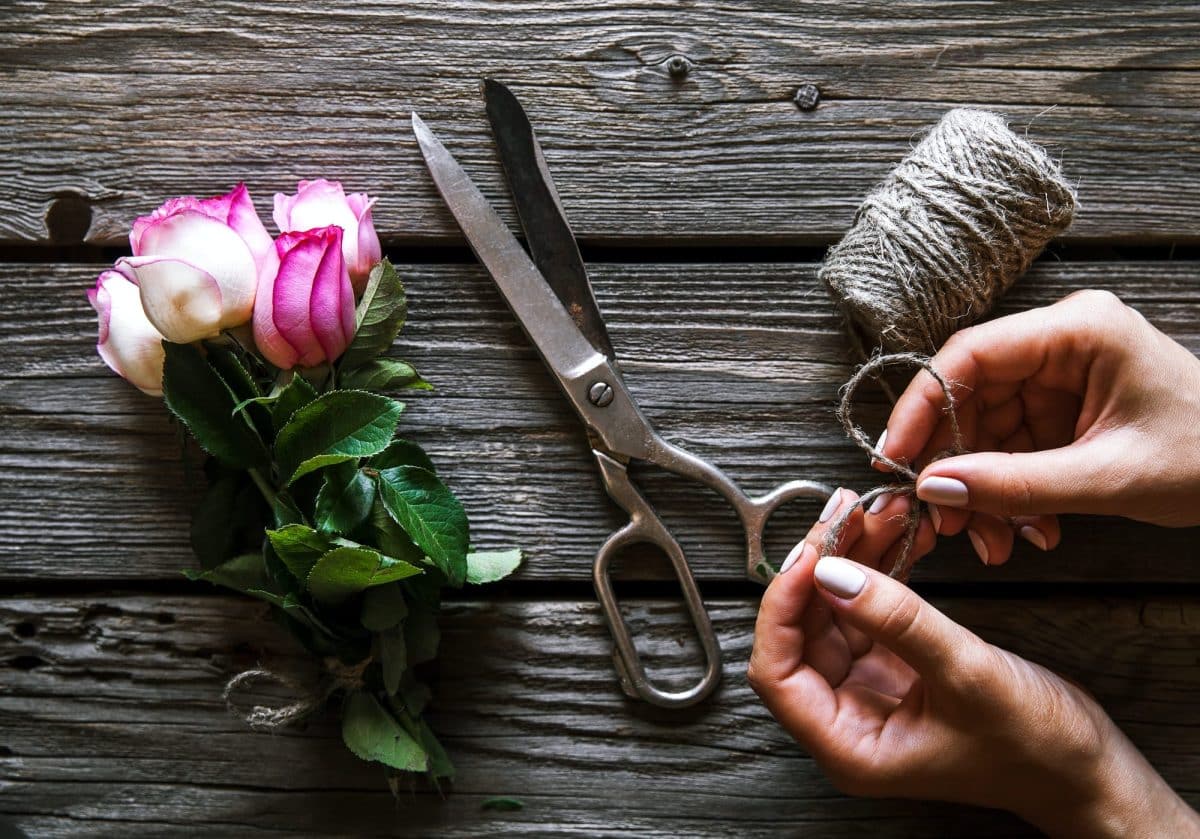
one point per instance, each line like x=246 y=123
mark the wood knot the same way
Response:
x=68 y=219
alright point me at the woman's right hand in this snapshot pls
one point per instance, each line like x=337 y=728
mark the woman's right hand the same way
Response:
x=1078 y=407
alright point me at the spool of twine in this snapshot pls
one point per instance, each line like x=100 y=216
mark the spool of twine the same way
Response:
x=947 y=232
x=931 y=250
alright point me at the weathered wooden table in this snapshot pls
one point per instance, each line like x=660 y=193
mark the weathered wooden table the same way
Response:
x=704 y=196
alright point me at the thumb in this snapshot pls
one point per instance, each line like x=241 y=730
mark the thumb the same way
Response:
x=892 y=614
x=1073 y=479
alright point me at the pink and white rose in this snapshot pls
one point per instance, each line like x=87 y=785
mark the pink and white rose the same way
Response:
x=198 y=263
x=321 y=203
x=304 y=314
x=128 y=342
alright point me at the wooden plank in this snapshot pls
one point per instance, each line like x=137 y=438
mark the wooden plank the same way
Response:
x=111 y=723
x=126 y=106
x=740 y=363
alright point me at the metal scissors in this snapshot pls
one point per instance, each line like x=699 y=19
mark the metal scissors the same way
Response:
x=552 y=298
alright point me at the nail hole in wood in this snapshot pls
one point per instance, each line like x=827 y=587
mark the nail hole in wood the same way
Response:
x=25 y=662
x=25 y=629
x=68 y=219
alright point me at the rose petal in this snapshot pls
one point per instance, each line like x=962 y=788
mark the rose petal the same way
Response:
x=182 y=300
x=239 y=214
x=267 y=337
x=369 y=250
x=300 y=256
x=169 y=208
x=214 y=248
x=332 y=297
x=128 y=343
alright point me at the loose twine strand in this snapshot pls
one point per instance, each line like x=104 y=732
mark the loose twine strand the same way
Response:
x=308 y=699
x=907 y=483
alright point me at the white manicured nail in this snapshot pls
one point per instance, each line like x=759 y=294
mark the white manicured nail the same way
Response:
x=840 y=577
x=948 y=492
x=879 y=444
x=831 y=506
x=796 y=553
x=935 y=515
x=879 y=503
x=1034 y=537
x=980 y=545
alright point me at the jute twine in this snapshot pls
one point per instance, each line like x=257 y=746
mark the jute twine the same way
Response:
x=307 y=698
x=947 y=232
x=906 y=483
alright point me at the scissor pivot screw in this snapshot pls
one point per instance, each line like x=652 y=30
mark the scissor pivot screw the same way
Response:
x=600 y=394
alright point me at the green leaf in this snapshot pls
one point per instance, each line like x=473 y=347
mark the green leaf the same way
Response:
x=295 y=395
x=245 y=572
x=380 y=315
x=299 y=547
x=345 y=499
x=199 y=397
x=240 y=383
x=413 y=695
x=383 y=607
x=384 y=374
x=421 y=635
x=430 y=514
x=503 y=804
x=345 y=571
x=390 y=537
x=211 y=532
x=489 y=566
x=294 y=609
x=338 y=426
x=286 y=511
x=373 y=734
x=393 y=657
x=401 y=453
x=439 y=762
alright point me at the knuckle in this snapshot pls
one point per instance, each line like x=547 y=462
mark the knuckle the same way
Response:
x=902 y=618
x=1095 y=299
x=973 y=672
x=1016 y=494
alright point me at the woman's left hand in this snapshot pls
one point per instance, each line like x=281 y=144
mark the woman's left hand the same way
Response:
x=894 y=699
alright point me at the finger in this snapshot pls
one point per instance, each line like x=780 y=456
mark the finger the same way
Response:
x=1004 y=351
x=835 y=508
x=925 y=539
x=893 y=615
x=796 y=694
x=885 y=522
x=1080 y=478
x=991 y=537
x=1043 y=532
x=948 y=521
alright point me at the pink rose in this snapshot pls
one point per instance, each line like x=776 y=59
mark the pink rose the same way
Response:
x=305 y=313
x=199 y=262
x=128 y=342
x=320 y=203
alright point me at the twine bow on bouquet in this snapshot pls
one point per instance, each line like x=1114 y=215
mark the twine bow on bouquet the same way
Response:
x=271 y=353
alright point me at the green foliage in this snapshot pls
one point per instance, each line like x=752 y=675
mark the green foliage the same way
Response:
x=374 y=734
x=335 y=427
x=380 y=316
x=196 y=394
x=315 y=507
x=384 y=374
x=490 y=566
x=430 y=514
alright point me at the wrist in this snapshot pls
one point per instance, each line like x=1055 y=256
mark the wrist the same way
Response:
x=1120 y=796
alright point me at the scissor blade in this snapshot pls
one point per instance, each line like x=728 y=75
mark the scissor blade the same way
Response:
x=554 y=249
x=559 y=341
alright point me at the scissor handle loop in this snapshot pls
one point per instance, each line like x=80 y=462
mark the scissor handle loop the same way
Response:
x=645 y=527
x=754 y=513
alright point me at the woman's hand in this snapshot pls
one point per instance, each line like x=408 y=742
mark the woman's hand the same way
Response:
x=1079 y=407
x=893 y=698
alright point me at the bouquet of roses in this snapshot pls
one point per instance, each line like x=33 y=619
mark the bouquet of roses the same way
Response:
x=271 y=354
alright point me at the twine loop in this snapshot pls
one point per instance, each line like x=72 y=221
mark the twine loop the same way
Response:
x=308 y=698
x=906 y=485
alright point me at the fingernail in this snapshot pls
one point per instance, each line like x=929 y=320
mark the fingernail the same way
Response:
x=831 y=506
x=879 y=444
x=936 y=516
x=879 y=503
x=980 y=547
x=946 y=491
x=796 y=553
x=1034 y=537
x=840 y=577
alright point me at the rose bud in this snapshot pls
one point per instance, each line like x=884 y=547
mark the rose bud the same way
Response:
x=320 y=203
x=198 y=263
x=128 y=342
x=304 y=314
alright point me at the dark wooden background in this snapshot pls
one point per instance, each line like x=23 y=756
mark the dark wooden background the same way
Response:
x=704 y=202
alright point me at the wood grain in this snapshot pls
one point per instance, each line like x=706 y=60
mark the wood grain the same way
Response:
x=112 y=723
x=111 y=109
x=739 y=363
